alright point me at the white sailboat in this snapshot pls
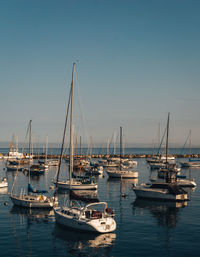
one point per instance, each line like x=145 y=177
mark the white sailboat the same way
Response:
x=74 y=183
x=123 y=172
x=87 y=218
x=34 y=198
x=191 y=162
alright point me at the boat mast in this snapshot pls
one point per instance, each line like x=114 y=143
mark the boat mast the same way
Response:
x=46 y=151
x=120 y=148
x=30 y=132
x=71 y=125
x=80 y=153
x=190 y=142
x=167 y=137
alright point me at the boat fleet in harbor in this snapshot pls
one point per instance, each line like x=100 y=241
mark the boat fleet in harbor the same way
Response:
x=96 y=216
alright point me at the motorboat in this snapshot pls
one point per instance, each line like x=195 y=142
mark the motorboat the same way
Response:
x=13 y=154
x=87 y=218
x=161 y=190
x=192 y=163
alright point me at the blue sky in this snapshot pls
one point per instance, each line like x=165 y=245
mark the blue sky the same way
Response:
x=135 y=60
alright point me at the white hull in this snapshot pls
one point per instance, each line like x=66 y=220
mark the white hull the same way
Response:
x=103 y=225
x=190 y=164
x=158 y=194
x=76 y=186
x=122 y=174
x=29 y=202
x=186 y=183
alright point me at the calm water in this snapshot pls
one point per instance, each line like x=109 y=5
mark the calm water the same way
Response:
x=144 y=228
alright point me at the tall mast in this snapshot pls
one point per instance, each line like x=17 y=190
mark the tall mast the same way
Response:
x=16 y=143
x=80 y=147
x=46 y=151
x=167 y=137
x=108 y=146
x=30 y=133
x=71 y=125
x=158 y=134
x=120 y=147
x=114 y=144
x=190 y=142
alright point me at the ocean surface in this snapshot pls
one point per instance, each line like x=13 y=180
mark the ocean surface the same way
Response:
x=144 y=228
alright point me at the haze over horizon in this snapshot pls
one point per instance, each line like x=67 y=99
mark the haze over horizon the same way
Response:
x=135 y=62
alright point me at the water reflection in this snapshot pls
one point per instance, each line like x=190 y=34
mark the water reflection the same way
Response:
x=85 y=244
x=86 y=196
x=32 y=215
x=166 y=213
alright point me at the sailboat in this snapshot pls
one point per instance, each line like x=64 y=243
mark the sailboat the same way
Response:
x=123 y=172
x=74 y=183
x=167 y=190
x=94 y=217
x=192 y=162
x=34 y=198
x=88 y=218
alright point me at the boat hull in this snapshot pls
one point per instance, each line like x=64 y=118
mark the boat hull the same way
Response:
x=76 y=186
x=30 y=203
x=161 y=195
x=122 y=174
x=190 y=164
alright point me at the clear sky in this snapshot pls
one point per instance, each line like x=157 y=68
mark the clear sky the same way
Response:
x=136 y=60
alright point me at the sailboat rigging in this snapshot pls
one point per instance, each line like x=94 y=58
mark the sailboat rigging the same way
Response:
x=73 y=183
x=87 y=218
